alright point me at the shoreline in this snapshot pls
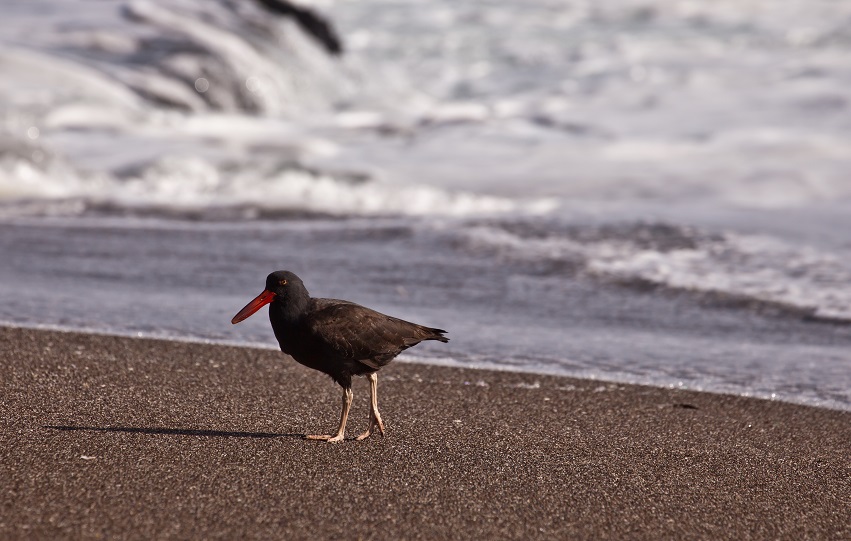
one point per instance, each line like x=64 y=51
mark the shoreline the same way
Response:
x=428 y=361
x=117 y=437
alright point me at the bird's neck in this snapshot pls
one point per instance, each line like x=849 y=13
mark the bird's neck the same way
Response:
x=289 y=311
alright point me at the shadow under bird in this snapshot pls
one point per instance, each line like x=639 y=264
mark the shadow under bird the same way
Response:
x=340 y=338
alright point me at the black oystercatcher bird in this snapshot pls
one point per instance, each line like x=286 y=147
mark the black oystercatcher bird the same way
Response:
x=339 y=338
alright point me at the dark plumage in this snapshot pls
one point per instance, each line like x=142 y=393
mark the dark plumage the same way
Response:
x=339 y=338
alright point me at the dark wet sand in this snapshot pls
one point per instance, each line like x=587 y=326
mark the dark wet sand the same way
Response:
x=118 y=438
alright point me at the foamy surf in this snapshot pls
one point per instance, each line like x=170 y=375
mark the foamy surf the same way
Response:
x=738 y=268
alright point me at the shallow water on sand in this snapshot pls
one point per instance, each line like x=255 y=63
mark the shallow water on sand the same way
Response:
x=186 y=280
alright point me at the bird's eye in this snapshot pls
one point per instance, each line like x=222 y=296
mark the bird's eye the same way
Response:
x=283 y=282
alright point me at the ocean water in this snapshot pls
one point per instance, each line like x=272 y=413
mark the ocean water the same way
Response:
x=652 y=192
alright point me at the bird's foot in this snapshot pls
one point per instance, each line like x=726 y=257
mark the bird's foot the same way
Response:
x=374 y=422
x=325 y=437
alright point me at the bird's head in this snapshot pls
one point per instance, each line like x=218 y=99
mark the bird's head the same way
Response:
x=281 y=286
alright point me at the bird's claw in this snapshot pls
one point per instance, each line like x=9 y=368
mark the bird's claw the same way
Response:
x=374 y=422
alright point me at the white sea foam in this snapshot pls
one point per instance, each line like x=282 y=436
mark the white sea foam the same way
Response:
x=179 y=184
x=619 y=101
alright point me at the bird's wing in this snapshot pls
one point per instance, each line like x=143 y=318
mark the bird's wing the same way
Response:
x=361 y=334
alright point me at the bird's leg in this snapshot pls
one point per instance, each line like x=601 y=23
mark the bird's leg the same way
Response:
x=344 y=414
x=374 y=416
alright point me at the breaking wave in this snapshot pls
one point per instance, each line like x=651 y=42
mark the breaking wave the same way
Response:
x=733 y=267
x=193 y=187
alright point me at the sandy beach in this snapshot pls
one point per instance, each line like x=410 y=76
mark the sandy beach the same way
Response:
x=121 y=438
x=650 y=193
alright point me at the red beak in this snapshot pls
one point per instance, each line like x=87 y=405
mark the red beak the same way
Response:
x=259 y=302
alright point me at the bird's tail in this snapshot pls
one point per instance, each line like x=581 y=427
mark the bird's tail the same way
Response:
x=435 y=334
